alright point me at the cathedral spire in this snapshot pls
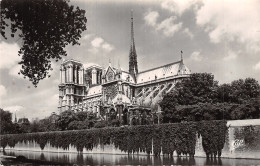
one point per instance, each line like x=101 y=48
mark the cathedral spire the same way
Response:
x=15 y=119
x=133 y=68
x=181 y=55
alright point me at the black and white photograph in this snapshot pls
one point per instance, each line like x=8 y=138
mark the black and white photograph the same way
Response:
x=123 y=82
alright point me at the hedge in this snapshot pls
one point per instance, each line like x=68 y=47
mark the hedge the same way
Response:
x=165 y=138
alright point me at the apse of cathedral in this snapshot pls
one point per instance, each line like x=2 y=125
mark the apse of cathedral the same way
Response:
x=112 y=90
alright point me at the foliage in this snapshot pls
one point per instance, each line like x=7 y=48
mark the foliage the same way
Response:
x=165 y=138
x=6 y=125
x=115 y=122
x=168 y=115
x=78 y=125
x=200 y=87
x=250 y=135
x=217 y=111
x=45 y=28
x=213 y=137
x=47 y=125
x=100 y=124
x=65 y=119
x=82 y=115
x=201 y=98
x=239 y=91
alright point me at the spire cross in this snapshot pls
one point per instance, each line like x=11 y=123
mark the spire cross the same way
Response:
x=109 y=62
x=181 y=54
x=132 y=30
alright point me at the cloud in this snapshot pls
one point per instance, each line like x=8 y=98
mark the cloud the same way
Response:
x=107 y=47
x=8 y=55
x=9 y=58
x=151 y=18
x=188 y=33
x=14 y=108
x=223 y=23
x=2 y=91
x=87 y=36
x=231 y=55
x=93 y=50
x=257 y=66
x=178 y=6
x=196 y=56
x=15 y=70
x=97 y=42
x=169 y=27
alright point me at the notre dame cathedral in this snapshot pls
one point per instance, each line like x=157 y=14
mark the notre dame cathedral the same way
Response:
x=111 y=93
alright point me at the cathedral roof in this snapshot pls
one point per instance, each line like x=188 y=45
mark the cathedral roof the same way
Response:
x=125 y=75
x=71 y=61
x=165 y=71
x=91 y=65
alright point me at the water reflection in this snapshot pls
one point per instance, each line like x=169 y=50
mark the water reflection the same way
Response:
x=108 y=159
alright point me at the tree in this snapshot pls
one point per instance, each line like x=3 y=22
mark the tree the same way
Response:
x=243 y=90
x=65 y=118
x=34 y=126
x=168 y=107
x=199 y=87
x=82 y=115
x=78 y=125
x=100 y=124
x=45 y=27
x=251 y=88
x=224 y=93
x=47 y=125
x=6 y=125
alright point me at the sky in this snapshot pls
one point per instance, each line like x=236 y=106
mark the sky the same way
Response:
x=216 y=36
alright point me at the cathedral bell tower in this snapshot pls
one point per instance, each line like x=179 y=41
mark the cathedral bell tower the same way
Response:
x=133 y=68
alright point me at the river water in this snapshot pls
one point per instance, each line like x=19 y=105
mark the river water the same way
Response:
x=111 y=159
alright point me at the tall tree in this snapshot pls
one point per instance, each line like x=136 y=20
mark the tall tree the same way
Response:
x=199 y=87
x=224 y=93
x=251 y=88
x=243 y=90
x=6 y=125
x=65 y=118
x=45 y=27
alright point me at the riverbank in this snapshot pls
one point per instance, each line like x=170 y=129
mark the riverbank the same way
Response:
x=109 y=159
x=21 y=160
